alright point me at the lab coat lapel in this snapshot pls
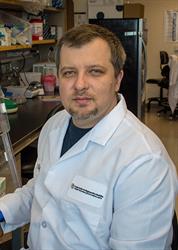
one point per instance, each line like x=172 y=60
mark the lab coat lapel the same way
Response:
x=77 y=148
x=56 y=137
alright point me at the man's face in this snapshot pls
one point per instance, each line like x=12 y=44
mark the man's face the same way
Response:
x=87 y=82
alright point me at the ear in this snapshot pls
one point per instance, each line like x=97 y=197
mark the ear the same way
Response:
x=118 y=80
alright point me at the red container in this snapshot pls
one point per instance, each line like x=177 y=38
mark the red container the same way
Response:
x=37 y=29
x=49 y=83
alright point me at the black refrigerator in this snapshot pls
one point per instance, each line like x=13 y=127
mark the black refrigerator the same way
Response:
x=130 y=33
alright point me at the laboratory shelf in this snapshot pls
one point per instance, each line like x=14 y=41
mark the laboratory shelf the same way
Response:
x=17 y=47
x=14 y=47
x=45 y=41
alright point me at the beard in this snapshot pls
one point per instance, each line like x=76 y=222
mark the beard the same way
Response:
x=79 y=116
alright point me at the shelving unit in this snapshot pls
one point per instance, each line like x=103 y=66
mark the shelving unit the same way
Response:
x=56 y=17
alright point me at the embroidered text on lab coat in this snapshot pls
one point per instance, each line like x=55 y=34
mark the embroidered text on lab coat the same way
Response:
x=87 y=191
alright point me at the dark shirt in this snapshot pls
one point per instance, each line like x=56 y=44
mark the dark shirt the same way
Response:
x=73 y=135
x=1 y=217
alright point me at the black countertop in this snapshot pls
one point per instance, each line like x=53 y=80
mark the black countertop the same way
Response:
x=29 y=117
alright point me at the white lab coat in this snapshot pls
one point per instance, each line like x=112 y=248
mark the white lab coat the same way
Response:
x=114 y=189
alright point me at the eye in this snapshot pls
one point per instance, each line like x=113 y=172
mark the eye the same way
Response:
x=96 y=72
x=68 y=73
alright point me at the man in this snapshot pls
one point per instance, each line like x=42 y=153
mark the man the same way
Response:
x=103 y=180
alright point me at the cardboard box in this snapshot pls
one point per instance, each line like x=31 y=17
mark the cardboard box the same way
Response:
x=133 y=10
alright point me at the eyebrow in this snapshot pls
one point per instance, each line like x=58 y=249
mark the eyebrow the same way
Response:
x=66 y=68
x=88 y=66
x=96 y=65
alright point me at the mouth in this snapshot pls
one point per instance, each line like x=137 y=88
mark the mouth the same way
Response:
x=82 y=100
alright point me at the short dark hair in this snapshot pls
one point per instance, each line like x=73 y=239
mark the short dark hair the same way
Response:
x=85 y=33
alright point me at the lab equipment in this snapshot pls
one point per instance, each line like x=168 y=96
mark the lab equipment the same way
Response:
x=35 y=88
x=8 y=152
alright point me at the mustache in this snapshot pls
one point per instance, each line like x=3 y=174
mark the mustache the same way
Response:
x=81 y=93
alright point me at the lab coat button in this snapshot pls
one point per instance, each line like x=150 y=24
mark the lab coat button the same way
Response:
x=44 y=224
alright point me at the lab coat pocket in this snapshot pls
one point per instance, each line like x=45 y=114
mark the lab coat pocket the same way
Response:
x=92 y=219
x=88 y=196
x=80 y=226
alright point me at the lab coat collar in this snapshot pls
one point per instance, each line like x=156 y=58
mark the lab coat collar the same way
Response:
x=99 y=134
x=102 y=132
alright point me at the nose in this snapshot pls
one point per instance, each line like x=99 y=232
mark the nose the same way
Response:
x=81 y=81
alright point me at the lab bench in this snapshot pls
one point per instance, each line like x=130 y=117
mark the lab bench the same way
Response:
x=26 y=123
x=25 y=126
